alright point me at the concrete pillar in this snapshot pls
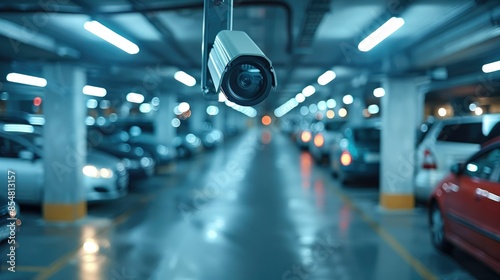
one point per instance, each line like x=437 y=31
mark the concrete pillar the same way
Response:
x=355 y=110
x=219 y=121
x=164 y=131
x=400 y=111
x=198 y=116
x=65 y=144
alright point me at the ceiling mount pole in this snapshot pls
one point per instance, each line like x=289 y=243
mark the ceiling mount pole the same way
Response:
x=217 y=16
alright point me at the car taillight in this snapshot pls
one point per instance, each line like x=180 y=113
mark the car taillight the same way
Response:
x=345 y=158
x=319 y=140
x=429 y=160
x=306 y=136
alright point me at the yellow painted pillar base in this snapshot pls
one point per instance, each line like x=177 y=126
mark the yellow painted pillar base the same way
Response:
x=397 y=201
x=64 y=212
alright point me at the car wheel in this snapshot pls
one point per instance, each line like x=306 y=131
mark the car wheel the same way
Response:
x=342 y=177
x=437 y=230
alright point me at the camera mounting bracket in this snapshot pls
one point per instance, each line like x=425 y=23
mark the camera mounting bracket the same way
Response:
x=217 y=16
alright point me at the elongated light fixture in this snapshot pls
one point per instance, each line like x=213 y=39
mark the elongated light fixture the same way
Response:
x=185 y=78
x=94 y=91
x=111 y=37
x=326 y=78
x=379 y=35
x=26 y=80
x=135 y=97
x=491 y=67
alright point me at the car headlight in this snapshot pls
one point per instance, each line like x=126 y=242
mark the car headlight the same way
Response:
x=145 y=162
x=106 y=173
x=91 y=171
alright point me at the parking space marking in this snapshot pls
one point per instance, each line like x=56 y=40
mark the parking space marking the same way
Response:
x=418 y=266
x=56 y=266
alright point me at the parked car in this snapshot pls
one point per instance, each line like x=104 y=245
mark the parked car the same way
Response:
x=465 y=207
x=8 y=210
x=138 y=162
x=187 y=145
x=446 y=142
x=211 y=138
x=105 y=176
x=323 y=139
x=162 y=154
x=356 y=152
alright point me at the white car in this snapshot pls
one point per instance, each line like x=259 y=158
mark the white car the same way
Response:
x=105 y=176
x=448 y=142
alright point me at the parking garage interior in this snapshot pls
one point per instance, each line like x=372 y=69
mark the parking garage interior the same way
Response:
x=376 y=155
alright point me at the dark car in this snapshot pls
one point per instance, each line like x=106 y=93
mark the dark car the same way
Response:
x=356 y=152
x=136 y=139
x=465 y=207
x=9 y=213
x=138 y=162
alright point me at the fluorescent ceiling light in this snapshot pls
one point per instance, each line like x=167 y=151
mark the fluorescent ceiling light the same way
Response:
x=381 y=33
x=322 y=105
x=300 y=97
x=135 y=97
x=379 y=92
x=184 y=107
x=111 y=37
x=331 y=103
x=491 y=67
x=26 y=80
x=348 y=99
x=145 y=108
x=373 y=109
x=22 y=128
x=185 y=78
x=92 y=103
x=212 y=110
x=308 y=91
x=286 y=107
x=326 y=78
x=94 y=91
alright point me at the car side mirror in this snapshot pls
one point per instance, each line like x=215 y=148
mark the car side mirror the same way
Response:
x=456 y=168
x=27 y=155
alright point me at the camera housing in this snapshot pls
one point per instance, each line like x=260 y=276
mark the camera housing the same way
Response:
x=239 y=69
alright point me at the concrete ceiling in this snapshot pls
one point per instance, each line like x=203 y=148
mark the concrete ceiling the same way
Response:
x=302 y=38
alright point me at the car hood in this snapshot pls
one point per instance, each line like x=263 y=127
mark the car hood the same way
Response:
x=102 y=159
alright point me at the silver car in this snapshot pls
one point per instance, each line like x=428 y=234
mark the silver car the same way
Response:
x=448 y=142
x=105 y=176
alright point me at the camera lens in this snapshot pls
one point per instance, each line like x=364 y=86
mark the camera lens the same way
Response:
x=246 y=82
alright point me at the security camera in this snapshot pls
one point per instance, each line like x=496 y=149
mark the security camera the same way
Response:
x=239 y=69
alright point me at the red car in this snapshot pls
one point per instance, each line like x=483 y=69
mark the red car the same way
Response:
x=465 y=207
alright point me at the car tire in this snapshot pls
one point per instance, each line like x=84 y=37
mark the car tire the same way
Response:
x=438 y=236
x=343 y=179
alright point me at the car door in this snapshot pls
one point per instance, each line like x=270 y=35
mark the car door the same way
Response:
x=477 y=203
x=487 y=201
x=28 y=171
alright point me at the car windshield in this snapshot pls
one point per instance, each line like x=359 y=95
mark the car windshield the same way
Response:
x=333 y=126
x=366 y=135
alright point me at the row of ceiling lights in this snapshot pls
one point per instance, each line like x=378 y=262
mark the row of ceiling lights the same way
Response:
x=375 y=38
x=372 y=40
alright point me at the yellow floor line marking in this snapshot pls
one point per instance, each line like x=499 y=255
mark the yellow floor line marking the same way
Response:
x=24 y=268
x=56 y=266
x=419 y=267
